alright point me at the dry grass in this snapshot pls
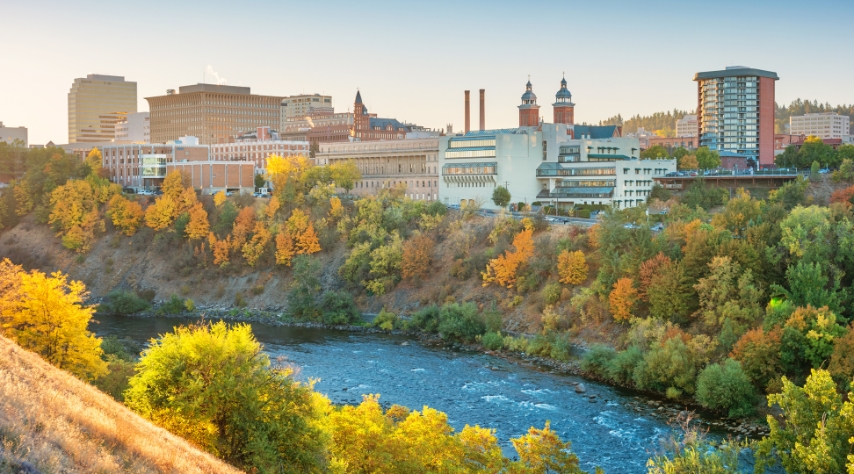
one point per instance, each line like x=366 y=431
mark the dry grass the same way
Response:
x=58 y=423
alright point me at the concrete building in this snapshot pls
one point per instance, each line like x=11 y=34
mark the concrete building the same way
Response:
x=96 y=104
x=214 y=113
x=735 y=112
x=135 y=128
x=10 y=134
x=412 y=162
x=823 y=125
x=249 y=147
x=689 y=143
x=687 y=126
x=144 y=166
x=561 y=164
x=297 y=106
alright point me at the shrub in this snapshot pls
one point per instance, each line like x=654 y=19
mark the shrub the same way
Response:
x=622 y=367
x=460 y=321
x=175 y=305
x=122 y=302
x=516 y=344
x=189 y=305
x=561 y=348
x=425 y=319
x=147 y=295
x=492 y=341
x=386 y=320
x=239 y=300
x=338 y=307
x=436 y=208
x=551 y=293
x=726 y=387
x=257 y=289
x=597 y=359
x=492 y=319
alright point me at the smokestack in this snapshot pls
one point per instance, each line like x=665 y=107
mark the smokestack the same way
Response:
x=482 y=110
x=468 y=113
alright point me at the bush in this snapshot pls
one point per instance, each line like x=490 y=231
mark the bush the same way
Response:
x=425 y=319
x=338 y=307
x=622 y=367
x=598 y=359
x=386 y=320
x=551 y=293
x=561 y=348
x=460 y=321
x=436 y=208
x=189 y=305
x=175 y=305
x=239 y=300
x=726 y=387
x=492 y=319
x=122 y=302
x=492 y=341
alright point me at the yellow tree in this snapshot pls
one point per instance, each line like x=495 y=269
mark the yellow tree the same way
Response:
x=345 y=174
x=622 y=299
x=198 y=227
x=219 y=198
x=220 y=249
x=93 y=159
x=503 y=270
x=336 y=210
x=160 y=215
x=70 y=203
x=49 y=318
x=307 y=242
x=253 y=249
x=126 y=215
x=173 y=185
x=272 y=207
x=689 y=162
x=572 y=267
x=417 y=253
x=284 y=248
x=297 y=223
x=186 y=201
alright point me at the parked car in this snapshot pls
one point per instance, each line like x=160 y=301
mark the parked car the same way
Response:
x=824 y=171
x=630 y=226
x=658 y=227
x=672 y=173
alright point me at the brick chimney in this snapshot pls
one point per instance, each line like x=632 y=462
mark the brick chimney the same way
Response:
x=482 y=110
x=468 y=113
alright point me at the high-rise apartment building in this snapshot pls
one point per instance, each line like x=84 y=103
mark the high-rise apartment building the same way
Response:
x=735 y=112
x=301 y=105
x=214 y=113
x=822 y=125
x=10 y=134
x=96 y=104
x=135 y=128
x=687 y=126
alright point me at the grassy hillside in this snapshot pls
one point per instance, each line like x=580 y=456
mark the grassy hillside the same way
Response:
x=53 y=422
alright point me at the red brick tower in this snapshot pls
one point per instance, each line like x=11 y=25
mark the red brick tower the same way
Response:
x=529 y=111
x=564 y=109
x=361 y=119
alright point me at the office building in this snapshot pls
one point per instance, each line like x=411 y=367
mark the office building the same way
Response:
x=135 y=128
x=735 y=112
x=256 y=147
x=412 y=162
x=213 y=113
x=297 y=106
x=560 y=164
x=823 y=125
x=686 y=126
x=11 y=134
x=96 y=104
x=143 y=167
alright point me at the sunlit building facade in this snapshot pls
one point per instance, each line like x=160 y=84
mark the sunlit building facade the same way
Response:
x=96 y=104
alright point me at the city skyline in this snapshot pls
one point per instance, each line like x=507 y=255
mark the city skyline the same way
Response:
x=415 y=63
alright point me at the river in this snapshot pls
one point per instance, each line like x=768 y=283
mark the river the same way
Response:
x=615 y=429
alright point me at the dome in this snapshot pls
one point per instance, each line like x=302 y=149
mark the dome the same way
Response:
x=529 y=97
x=563 y=95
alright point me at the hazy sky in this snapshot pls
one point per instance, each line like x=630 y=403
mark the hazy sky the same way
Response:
x=412 y=60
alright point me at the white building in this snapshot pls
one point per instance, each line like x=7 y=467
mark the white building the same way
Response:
x=134 y=128
x=10 y=134
x=412 y=162
x=258 y=150
x=687 y=126
x=822 y=125
x=297 y=106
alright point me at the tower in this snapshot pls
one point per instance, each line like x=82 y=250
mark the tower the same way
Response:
x=529 y=111
x=564 y=109
x=361 y=119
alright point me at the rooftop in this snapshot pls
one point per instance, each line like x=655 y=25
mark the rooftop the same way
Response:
x=736 y=71
x=214 y=88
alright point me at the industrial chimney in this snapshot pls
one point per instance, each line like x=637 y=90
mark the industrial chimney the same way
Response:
x=468 y=113
x=482 y=110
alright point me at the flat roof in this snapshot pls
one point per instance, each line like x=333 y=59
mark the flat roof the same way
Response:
x=213 y=88
x=736 y=72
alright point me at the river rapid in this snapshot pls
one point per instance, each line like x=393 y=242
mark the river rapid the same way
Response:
x=608 y=427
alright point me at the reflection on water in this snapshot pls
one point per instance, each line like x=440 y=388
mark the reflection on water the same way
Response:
x=472 y=388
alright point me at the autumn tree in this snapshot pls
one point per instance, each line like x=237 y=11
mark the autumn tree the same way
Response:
x=542 y=451
x=307 y=241
x=198 y=228
x=272 y=207
x=174 y=184
x=344 y=174
x=219 y=198
x=622 y=299
x=759 y=354
x=46 y=315
x=336 y=210
x=284 y=248
x=94 y=159
x=689 y=162
x=161 y=214
x=572 y=267
x=841 y=365
x=648 y=270
x=220 y=249
x=417 y=255
x=186 y=201
x=126 y=215
x=669 y=293
x=253 y=249
x=503 y=270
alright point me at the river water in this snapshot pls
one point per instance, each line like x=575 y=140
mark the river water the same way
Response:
x=616 y=430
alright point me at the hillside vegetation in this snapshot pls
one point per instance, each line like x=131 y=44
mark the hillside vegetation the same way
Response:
x=54 y=422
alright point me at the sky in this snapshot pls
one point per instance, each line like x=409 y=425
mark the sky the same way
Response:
x=413 y=60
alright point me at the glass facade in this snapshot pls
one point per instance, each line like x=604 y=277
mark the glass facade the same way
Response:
x=153 y=166
x=469 y=168
x=730 y=114
x=545 y=172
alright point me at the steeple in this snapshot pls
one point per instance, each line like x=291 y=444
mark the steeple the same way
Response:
x=358 y=97
x=564 y=109
x=529 y=111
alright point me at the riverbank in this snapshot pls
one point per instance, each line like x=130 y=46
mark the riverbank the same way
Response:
x=645 y=401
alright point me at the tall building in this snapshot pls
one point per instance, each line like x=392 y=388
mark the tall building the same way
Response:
x=822 y=125
x=214 y=113
x=96 y=104
x=135 y=128
x=10 y=134
x=301 y=105
x=687 y=126
x=735 y=112
x=561 y=164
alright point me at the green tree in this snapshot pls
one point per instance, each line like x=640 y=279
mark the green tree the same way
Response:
x=260 y=181
x=213 y=385
x=815 y=433
x=788 y=159
x=790 y=194
x=815 y=150
x=501 y=196
x=655 y=152
x=726 y=387
x=707 y=159
x=302 y=299
x=345 y=174
x=814 y=171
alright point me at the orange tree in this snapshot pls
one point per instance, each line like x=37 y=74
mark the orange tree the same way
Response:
x=622 y=299
x=503 y=270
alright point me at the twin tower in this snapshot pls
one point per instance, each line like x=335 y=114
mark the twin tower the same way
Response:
x=529 y=111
